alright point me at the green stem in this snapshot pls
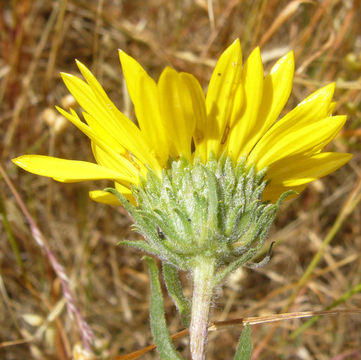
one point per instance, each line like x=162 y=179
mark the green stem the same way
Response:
x=203 y=274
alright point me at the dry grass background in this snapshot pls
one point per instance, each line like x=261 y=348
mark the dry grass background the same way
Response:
x=40 y=38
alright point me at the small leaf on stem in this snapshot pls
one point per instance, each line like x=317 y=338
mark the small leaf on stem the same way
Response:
x=244 y=348
x=158 y=324
x=174 y=287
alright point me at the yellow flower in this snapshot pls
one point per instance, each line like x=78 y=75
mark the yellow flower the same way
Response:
x=238 y=116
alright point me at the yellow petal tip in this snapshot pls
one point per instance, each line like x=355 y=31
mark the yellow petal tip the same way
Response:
x=256 y=53
x=330 y=88
x=22 y=161
x=168 y=71
x=104 y=197
x=237 y=44
x=123 y=56
x=81 y=67
x=66 y=76
x=290 y=58
x=78 y=63
x=17 y=161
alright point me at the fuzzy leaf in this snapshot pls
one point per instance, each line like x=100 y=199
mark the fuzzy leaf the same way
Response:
x=158 y=324
x=244 y=348
x=234 y=265
x=285 y=195
x=174 y=287
x=126 y=204
x=141 y=245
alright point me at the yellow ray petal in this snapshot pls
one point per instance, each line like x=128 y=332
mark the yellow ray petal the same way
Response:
x=316 y=106
x=273 y=192
x=331 y=108
x=243 y=132
x=176 y=107
x=295 y=141
x=300 y=170
x=104 y=134
x=313 y=108
x=276 y=91
x=239 y=103
x=108 y=161
x=127 y=166
x=86 y=98
x=93 y=99
x=144 y=94
x=199 y=113
x=150 y=120
x=132 y=70
x=105 y=197
x=68 y=170
x=225 y=81
x=107 y=158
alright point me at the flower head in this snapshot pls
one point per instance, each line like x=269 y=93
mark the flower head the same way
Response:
x=237 y=118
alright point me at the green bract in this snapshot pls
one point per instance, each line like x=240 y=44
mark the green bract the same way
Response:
x=213 y=210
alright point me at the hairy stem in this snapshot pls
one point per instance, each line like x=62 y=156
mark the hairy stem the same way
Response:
x=203 y=274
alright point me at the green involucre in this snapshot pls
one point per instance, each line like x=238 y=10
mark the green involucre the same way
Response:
x=195 y=210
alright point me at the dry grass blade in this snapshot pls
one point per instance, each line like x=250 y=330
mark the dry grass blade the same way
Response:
x=317 y=54
x=221 y=22
x=285 y=14
x=55 y=45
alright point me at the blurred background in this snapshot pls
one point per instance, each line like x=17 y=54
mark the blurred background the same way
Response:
x=40 y=39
